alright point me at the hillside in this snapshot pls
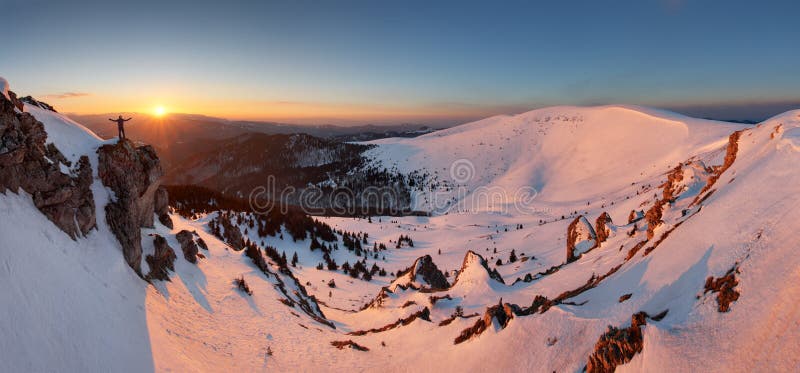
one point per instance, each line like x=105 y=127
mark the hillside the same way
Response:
x=566 y=154
x=652 y=240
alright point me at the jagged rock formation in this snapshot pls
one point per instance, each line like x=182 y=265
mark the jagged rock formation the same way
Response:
x=202 y=244
x=133 y=175
x=617 y=346
x=503 y=313
x=348 y=343
x=188 y=245
x=725 y=287
x=635 y=216
x=32 y=101
x=27 y=163
x=730 y=156
x=602 y=227
x=161 y=261
x=581 y=238
x=161 y=207
x=423 y=314
x=423 y=271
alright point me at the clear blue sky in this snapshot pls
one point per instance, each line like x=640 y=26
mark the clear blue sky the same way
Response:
x=404 y=61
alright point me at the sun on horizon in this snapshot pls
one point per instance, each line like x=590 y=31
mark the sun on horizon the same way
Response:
x=159 y=111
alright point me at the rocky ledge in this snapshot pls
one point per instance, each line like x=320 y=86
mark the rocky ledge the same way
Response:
x=60 y=190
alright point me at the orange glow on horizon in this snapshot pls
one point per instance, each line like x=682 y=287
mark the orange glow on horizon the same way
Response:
x=272 y=110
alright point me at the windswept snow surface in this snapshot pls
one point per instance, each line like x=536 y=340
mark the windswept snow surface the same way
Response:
x=76 y=306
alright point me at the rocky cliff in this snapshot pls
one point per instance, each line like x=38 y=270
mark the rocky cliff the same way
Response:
x=133 y=174
x=60 y=190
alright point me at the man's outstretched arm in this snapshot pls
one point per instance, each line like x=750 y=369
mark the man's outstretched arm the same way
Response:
x=128 y=119
x=113 y=120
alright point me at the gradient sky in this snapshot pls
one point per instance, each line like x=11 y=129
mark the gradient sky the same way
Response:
x=391 y=62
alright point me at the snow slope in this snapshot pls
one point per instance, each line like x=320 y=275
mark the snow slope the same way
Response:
x=67 y=305
x=564 y=153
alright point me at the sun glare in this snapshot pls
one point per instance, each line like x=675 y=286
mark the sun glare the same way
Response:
x=159 y=111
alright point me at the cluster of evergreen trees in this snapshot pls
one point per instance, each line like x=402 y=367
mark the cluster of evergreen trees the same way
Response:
x=404 y=239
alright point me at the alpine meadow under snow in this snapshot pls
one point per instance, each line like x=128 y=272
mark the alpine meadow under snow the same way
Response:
x=560 y=239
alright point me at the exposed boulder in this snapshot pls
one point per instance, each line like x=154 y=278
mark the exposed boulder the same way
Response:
x=161 y=207
x=188 y=246
x=161 y=261
x=202 y=244
x=502 y=313
x=617 y=346
x=581 y=238
x=27 y=163
x=725 y=287
x=635 y=216
x=14 y=100
x=423 y=273
x=603 y=227
x=133 y=175
x=671 y=189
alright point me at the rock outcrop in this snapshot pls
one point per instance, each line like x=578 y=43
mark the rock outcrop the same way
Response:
x=502 y=313
x=476 y=268
x=423 y=273
x=581 y=238
x=161 y=207
x=133 y=174
x=32 y=101
x=617 y=346
x=188 y=245
x=27 y=163
x=603 y=227
x=161 y=261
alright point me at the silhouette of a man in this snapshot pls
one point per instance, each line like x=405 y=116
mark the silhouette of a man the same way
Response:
x=121 y=126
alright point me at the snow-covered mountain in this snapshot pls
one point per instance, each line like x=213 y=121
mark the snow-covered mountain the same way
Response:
x=560 y=239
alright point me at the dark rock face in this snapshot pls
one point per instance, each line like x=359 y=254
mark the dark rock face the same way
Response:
x=617 y=346
x=188 y=246
x=581 y=237
x=133 y=174
x=32 y=101
x=426 y=268
x=161 y=261
x=27 y=163
x=202 y=244
x=161 y=207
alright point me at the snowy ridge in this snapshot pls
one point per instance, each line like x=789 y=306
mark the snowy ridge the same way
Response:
x=556 y=151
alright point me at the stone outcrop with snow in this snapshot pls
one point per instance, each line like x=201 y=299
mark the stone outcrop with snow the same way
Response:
x=133 y=174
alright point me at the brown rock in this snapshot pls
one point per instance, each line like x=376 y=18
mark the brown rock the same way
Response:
x=581 y=238
x=161 y=207
x=162 y=260
x=27 y=163
x=188 y=245
x=133 y=175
